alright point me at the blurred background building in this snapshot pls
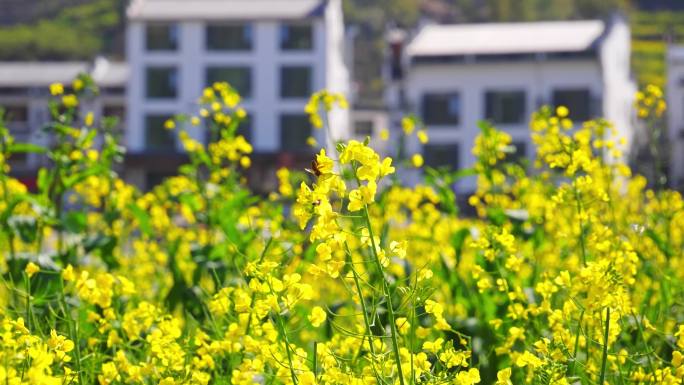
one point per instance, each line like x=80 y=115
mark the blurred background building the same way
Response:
x=275 y=53
x=456 y=75
x=24 y=93
x=675 y=117
x=452 y=62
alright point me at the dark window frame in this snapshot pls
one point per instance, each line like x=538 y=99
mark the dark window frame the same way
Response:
x=520 y=152
x=161 y=146
x=115 y=110
x=247 y=30
x=367 y=124
x=162 y=95
x=430 y=158
x=581 y=114
x=174 y=37
x=287 y=29
x=250 y=78
x=428 y=106
x=10 y=116
x=297 y=93
x=285 y=144
x=498 y=113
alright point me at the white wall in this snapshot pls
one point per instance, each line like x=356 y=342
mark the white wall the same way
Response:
x=191 y=59
x=619 y=88
x=337 y=74
x=675 y=114
x=135 y=89
x=471 y=81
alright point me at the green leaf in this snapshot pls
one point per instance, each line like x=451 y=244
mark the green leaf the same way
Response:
x=87 y=139
x=496 y=215
x=25 y=226
x=72 y=180
x=663 y=246
x=458 y=240
x=105 y=244
x=44 y=179
x=143 y=218
x=75 y=222
x=190 y=200
x=13 y=203
x=17 y=148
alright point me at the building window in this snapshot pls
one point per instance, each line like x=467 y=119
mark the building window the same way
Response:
x=161 y=37
x=295 y=82
x=162 y=82
x=229 y=37
x=363 y=128
x=505 y=107
x=158 y=138
x=113 y=91
x=442 y=109
x=296 y=37
x=441 y=155
x=16 y=116
x=294 y=130
x=15 y=113
x=239 y=78
x=18 y=159
x=519 y=151
x=578 y=101
x=114 y=110
x=115 y=115
x=154 y=179
x=14 y=91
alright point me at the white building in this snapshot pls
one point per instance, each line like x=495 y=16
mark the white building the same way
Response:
x=24 y=95
x=675 y=114
x=276 y=53
x=456 y=75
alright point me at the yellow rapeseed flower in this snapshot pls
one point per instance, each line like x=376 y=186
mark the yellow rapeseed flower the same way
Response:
x=317 y=316
x=417 y=160
x=422 y=136
x=70 y=101
x=169 y=124
x=56 y=89
x=384 y=134
x=68 y=273
x=31 y=269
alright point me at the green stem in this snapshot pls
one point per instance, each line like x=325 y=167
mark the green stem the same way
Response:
x=364 y=310
x=577 y=335
x=287 y=348
x=315 y=359
x=647 y=349
x=28 y=302
x=581 y=226
x=387 y=294
x=73 y=331
x=604 y=359
x=365 y=316
x=413 y=331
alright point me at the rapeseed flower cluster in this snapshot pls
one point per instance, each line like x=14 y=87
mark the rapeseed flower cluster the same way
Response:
x=571 y=270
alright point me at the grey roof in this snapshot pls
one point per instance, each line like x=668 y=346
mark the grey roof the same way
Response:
x=506 y=38
x=42 y=74
x=161 y=10
x=110 y=74
x=27 y=74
